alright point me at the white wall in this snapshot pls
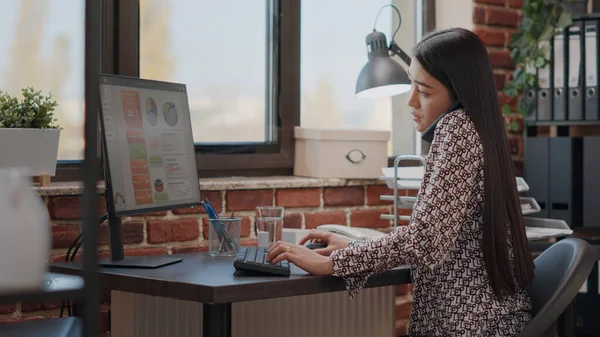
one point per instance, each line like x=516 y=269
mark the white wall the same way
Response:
x=403 y=131
x=454 y=13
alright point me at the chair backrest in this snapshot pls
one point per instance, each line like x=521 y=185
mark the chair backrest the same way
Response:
x=560 y=272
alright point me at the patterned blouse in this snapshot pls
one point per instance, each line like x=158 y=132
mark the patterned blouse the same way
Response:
x=442 y=244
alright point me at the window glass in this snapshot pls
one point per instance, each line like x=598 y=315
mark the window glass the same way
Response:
x=333 y=51
x=42 y=46
x=219 y=50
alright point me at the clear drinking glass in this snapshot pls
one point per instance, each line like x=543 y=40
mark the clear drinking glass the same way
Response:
x=270 y=230
x=269 y=212
x=222 y=241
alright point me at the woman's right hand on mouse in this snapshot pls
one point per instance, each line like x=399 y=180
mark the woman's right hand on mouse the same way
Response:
x=333 y=241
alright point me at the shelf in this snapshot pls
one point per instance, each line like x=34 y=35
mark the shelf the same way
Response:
x=562 y=123
x=528 y=205
x=51 y=327
x=391 y=217
x=56 y=286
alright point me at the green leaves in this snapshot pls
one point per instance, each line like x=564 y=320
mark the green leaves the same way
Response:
x=35 y=111
x=541 y=20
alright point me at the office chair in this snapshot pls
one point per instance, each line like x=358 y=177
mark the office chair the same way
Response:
x=560 y=272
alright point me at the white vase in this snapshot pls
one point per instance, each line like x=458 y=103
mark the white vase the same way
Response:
x=25 y=241
x=34 y=149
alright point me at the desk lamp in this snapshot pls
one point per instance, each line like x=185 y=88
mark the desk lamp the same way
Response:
x=382 y=76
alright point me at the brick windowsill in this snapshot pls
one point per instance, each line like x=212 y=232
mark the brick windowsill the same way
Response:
x=229 y=183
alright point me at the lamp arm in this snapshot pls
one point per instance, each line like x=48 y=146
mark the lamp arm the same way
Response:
x=397 y=51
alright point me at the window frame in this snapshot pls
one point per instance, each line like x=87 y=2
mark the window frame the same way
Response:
x=120 y=56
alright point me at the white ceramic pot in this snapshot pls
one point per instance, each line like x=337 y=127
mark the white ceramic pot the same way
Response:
x=34 y=149
x=25 y=241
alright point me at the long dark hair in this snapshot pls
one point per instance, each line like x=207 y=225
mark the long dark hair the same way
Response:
x=458 y=59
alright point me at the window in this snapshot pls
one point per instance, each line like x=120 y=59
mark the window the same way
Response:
x=222 y=53
x=240 y=64
x=333 y=53
x=43 y=47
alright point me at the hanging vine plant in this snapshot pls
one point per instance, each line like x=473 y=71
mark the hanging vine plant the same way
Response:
x=541 y=20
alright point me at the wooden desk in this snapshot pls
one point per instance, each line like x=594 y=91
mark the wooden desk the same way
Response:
x=212 y=286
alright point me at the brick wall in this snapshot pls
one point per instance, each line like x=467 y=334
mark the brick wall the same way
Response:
x=494 y=22
x=185 y=230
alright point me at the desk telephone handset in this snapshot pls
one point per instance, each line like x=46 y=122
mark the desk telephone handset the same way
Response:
x=352 y=233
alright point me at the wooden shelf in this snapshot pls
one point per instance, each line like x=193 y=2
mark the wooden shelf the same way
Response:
x=56 y=286
x=562 y=123
x=51 y=327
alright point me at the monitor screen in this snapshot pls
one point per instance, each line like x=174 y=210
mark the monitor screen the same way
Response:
x=149 y=146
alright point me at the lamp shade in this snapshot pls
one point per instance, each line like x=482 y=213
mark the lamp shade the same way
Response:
x=381 y=76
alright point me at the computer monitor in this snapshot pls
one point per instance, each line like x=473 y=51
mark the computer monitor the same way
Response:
x=148 y=156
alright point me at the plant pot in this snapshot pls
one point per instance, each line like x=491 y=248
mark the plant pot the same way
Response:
x=33 y=149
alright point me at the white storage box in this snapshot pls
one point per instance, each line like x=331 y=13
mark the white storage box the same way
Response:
x=340 y=153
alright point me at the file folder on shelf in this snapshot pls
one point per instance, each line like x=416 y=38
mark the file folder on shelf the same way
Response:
x=575 y=98
x=591 y=71
x=559 y=105
x=544 y=94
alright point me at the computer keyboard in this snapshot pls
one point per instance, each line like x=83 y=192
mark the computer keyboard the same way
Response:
x=254 y=259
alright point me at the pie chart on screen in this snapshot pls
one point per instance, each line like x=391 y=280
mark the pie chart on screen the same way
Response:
x=151 y=111
x=170 y=113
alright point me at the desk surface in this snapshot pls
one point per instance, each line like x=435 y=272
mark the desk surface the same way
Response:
x=206 y=279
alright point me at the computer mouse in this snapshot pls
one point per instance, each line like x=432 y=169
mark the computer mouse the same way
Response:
x=316 y=245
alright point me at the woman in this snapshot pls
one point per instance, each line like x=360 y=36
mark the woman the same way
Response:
x=465 y=241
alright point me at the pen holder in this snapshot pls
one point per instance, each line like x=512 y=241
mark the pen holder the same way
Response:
x=223 y=236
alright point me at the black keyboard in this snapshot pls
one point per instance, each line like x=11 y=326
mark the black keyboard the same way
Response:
x=254 y=259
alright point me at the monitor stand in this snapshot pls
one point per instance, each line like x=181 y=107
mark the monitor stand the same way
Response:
x=117 y=256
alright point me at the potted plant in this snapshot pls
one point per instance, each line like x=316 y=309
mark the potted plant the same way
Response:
x=542 y=19
x=28 y=133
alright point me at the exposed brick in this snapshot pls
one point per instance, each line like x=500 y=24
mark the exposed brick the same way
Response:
x=131 y=232
x=64 y=235
x=298 y=197
x=69 y=207
x=500 y=80
x=292 y=220
x=247 y=243
x=246 y=200
x=103 y=321
x=500 y=58
x=7 y=309
x=344 y=196
x=163 y=213
x=479 y=15
x=504 y=99
x=190 y=249
x=315 y=219
x=401 y=289
x=375 y=191
x=412 y=193
x=213 y=196
x=35 y=306
x=146 y=251
x=502 y=17
x=402 y=327
x=515 y=145
x=403 y=309
x=492 y=2
x=244 y=229
x=369 y=218
x=516 y=3
x=160 y=231
x=518 y=164
x=22 y=319
x=491 y=37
